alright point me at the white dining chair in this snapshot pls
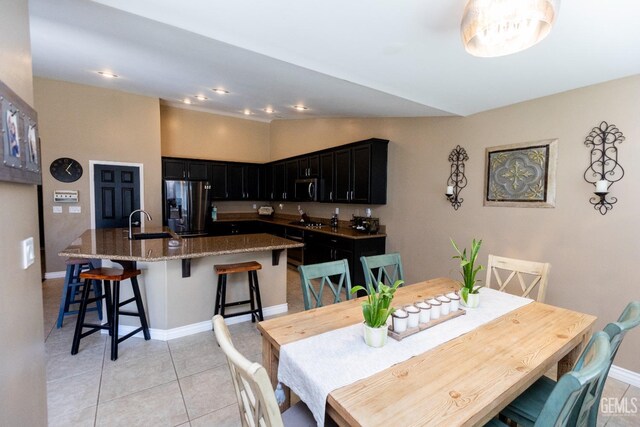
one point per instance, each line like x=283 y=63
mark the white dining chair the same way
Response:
x=255 y=395
x=529 y=274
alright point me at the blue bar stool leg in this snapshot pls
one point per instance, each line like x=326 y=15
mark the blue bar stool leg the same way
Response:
x=64 y=304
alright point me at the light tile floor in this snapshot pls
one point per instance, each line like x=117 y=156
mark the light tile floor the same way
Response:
x=181 y=382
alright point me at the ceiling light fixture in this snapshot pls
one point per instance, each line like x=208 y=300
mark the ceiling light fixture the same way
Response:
x=220 y=91
x=247 y=112
x=300 y=107
x=501 y=27
x=200 y=97
x=186 y=101
x=269 y=110
x=108 y=75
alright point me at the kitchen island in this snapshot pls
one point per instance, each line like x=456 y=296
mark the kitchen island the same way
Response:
x=178 y=283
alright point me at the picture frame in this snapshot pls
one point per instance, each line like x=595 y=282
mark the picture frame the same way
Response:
x=521 y=175
x=20 y=136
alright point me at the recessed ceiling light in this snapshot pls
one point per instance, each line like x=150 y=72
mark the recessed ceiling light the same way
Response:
x=269 y=110
x=186 y=101
x=247 y=112
x=300 y=107
x=200 y=97
x=108 y=75
x=220 y=91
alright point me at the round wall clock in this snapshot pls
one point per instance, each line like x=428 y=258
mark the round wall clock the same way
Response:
x=65 y=169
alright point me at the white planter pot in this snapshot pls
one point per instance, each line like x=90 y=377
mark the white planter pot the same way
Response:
x=473 y=300
x=375 y=337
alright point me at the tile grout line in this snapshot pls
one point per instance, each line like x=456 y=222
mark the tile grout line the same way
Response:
x=95 y=416
x=184 y=402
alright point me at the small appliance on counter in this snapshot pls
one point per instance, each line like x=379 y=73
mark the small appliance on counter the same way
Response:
x=265 y=210
x=365 y=224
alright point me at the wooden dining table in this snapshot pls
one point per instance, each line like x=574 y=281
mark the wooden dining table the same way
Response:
x=465 y=381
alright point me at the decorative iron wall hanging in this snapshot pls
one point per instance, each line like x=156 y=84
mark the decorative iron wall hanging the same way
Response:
x=522 y=175
x=457 y=179
x=604 y=169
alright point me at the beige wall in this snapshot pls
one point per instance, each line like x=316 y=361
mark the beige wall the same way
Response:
x=189 y=133
x=23 y=393
x=592 y=256
x=89 y=123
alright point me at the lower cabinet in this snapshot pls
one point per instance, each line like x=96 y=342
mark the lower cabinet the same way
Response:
x=227 y=228
x=321 y=247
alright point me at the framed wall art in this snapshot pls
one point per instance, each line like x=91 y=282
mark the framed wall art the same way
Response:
x=21 y=160
x=521 y=175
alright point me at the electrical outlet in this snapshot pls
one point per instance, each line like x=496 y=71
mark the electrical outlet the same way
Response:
x=255 y=206
x=57 y=209
x=75 y=209
x=28 y=253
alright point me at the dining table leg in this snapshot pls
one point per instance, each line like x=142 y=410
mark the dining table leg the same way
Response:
x=569 y=360
x=270 y=362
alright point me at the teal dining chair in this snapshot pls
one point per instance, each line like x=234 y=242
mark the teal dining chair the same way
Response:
x=574 y=395
x=385 y=268
x=315 y=278
x=525 y=409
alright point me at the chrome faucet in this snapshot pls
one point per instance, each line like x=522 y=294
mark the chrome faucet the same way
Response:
x=131 y=214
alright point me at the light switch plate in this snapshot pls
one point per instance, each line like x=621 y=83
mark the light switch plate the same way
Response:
x=75 y=209
x=28 y=253
x=57 y=209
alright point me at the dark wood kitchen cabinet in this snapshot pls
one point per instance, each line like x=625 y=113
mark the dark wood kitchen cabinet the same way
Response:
x=322 y=247
x=243 y=181
x=309 y=166
x=326 y=177
x=178 y=169
x=284 y=175
x=218 y=181
x=361 y=173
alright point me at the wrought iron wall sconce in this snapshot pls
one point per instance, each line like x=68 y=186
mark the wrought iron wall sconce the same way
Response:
x=457 y=179
x=604 y=169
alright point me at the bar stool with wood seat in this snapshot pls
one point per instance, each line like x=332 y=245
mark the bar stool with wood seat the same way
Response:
x=254 y=300
x=112 y=297
x=72 y=288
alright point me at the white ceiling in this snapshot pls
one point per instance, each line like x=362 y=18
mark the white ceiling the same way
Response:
x=356 y=58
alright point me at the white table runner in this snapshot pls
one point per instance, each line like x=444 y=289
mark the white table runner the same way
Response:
x=315 y=366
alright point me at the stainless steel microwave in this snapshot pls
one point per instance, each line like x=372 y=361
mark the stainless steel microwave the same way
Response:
x=307 y=190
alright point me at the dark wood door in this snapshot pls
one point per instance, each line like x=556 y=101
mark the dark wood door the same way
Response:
x=218 y=181
x=361 y=170
x=234 y=182
x=291 y=174
x=326 y=178
x=117 y=194
x=342 y=175
x=251 y=182
x=173 y=169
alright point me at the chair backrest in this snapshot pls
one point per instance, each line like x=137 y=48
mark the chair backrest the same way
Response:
x=535 y=273
x=315 y=278
x=256 y=399
x=629 y=319
x=571 y=400
x=385 y=268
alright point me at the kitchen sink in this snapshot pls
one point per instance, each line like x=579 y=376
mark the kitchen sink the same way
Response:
x=145 y=236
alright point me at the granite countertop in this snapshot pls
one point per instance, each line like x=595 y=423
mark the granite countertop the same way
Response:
x=341 y=231
x=112 y=243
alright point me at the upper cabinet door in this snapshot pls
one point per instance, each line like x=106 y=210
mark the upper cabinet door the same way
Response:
x=343 y=176
x=197 y=171
x=173 y=169
x=279 y=177
x=218 y=181
x=234 y=182
x=251 y=182
x=309 y=167
x=361 y=174
x=291 y=174
x=326 y=178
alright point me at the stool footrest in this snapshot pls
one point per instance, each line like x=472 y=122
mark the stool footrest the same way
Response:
x=231 y=304
x=129 y=301
x=129 y=313
x=130 y=334
x=240 y=313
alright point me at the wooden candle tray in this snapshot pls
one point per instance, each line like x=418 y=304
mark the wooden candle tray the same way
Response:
x=398 y=336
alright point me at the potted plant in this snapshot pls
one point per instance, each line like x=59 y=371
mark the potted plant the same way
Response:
x=469 y=290
x=376 y=310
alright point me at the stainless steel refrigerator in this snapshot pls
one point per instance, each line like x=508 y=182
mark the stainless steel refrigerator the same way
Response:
x=185 y=206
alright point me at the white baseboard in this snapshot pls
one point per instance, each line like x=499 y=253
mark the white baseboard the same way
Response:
x=194 y=328
x=54 y=274
x=625 y=375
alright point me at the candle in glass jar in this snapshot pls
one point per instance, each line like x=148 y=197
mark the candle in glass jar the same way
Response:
x=601 y=186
